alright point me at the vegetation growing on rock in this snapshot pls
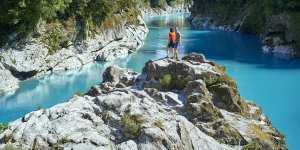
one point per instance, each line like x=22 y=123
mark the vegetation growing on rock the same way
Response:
x=132 y=125
x=3 y=126
x=253 y=146
x=20 y=19
x=79 y=93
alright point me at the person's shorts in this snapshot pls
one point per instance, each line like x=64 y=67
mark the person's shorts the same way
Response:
x=176 y=45
x=171 y=45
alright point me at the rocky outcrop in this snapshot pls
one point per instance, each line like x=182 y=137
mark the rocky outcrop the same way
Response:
x=279 y=36
x=34 y=59
x=171 y=105
x=7 y=81
x=278 y=28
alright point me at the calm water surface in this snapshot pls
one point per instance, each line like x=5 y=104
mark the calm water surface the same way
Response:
x=271 y=82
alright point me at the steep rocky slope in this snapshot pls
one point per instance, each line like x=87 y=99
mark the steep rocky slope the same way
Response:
x=276 y=22
x=189 y=104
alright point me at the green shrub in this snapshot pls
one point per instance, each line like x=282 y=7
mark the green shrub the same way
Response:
x=132 y=125
x=259 y=134
x=252 y=146
x=166 y=81
x=227 y=80
x=13 y=61
x=175 y=2
x=3 y=127
x=158 y=3
x=54 y=37
x=78 y=93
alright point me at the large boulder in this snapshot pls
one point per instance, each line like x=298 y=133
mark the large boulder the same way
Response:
x=116 y=74
x=199 y=105
x=168 y=74
x=7 y=81
x=228 y=98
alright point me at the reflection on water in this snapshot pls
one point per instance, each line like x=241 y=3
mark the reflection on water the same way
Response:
x=271 y=82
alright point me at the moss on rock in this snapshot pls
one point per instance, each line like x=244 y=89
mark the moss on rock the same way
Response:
x=3 y=126
x=132 y=125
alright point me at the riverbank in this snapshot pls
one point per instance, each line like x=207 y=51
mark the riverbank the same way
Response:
x=141 y=111
x=33 y=59
x=275 y=23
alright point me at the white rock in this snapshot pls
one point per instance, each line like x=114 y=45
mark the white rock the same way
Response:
x=7 y=81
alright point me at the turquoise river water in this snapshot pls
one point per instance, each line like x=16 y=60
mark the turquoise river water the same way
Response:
x=271 y=82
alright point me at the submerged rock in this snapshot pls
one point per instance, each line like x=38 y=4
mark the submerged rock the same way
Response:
x=181 y=109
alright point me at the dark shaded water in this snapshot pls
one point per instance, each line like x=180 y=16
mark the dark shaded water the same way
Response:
x=270 y=82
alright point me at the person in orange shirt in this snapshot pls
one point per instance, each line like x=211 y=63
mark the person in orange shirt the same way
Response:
x=172 y=42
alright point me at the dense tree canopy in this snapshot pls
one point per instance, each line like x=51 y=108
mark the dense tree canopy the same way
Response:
x=22 y=16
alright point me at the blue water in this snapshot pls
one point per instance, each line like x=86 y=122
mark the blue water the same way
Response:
x=269 y=81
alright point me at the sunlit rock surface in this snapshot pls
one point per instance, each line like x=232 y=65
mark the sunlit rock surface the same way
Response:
x=171 y=105
x=7 y=81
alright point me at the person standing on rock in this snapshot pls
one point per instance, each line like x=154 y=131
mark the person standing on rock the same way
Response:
x=172 y=42
x=177 y=43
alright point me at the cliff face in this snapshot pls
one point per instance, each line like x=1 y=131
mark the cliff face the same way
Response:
x=189 y=104
x=277 y=22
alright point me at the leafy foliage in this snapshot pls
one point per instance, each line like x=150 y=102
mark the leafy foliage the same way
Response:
x=166 y=81
x=3 y=126
x=256 y=11
x=132 y=125
x=78 y=93
x=54 y=37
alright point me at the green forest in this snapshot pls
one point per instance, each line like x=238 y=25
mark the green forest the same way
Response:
x=257 y=11
x=258 y=16
x=19 y=18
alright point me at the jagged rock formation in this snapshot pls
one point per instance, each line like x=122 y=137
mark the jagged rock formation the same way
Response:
x=189 y=104
x=276 y=22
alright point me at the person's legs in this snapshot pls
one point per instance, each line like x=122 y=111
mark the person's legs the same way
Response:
x=174 y=53
x=176 y=56
x=168 y=49
x=176 y=48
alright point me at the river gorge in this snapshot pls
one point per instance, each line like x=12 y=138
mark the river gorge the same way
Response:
x=267 y=80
